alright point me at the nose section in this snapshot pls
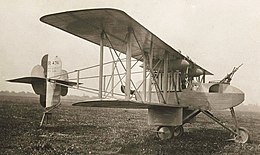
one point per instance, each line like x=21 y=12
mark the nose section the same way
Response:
x=224 y=88
x=231 y=89
x=224 y=96
x=237 y=95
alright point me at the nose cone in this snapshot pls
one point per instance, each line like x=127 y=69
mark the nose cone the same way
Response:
x=226 y=97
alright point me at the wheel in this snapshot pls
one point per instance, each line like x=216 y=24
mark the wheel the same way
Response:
x=242 y=135
x=164 y=132
x=178 y=131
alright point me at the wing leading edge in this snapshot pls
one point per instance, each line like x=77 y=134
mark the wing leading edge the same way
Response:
x=89 y=25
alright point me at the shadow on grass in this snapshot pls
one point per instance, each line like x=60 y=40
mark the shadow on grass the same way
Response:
x=72 y=128
x=199 y=141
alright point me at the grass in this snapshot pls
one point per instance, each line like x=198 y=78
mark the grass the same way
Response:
x=81 y=130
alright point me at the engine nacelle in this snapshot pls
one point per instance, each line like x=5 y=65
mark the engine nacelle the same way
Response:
x=195 y=72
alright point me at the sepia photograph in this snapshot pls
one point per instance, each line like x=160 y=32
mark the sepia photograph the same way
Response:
x=130 y=77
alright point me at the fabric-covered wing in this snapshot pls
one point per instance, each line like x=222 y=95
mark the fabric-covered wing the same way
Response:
x=116 y=103
x=89 y=25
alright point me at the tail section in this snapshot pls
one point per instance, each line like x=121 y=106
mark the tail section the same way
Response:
x=44 y=79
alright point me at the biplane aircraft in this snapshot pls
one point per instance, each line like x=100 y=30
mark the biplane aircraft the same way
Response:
x=173 y=87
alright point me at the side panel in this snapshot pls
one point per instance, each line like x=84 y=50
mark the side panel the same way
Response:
x=165 y=116
x=223 y=101
x=192 y=99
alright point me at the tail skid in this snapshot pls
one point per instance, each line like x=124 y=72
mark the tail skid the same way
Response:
x=48 y=113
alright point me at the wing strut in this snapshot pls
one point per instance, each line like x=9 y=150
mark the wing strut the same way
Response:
x=150 y=66
x=144 y=76
x=101 y=65
x=113 y=78
x=122 y=63
x=128 y=62
x=165 y=76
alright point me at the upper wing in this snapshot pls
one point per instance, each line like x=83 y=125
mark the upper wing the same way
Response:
x=89 y=24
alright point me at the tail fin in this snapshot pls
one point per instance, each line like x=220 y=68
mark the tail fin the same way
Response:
x=53 y=91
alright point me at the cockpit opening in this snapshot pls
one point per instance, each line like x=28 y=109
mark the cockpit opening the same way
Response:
x=214 y=88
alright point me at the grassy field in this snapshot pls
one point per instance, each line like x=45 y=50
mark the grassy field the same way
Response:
x=80 y=130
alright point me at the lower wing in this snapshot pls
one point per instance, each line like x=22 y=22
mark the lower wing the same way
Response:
x=117 y=103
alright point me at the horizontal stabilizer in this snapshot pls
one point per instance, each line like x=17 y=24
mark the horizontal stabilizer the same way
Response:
x=32 y=80
x=114 y=103
x=27 y=80
x=69 y=83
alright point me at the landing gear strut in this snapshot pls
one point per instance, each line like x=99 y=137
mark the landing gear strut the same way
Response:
x=241 y=134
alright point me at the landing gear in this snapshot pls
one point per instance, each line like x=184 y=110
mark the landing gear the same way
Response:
x=168 y=132
x=178 y=131
x=241 y=134
x=164 y=132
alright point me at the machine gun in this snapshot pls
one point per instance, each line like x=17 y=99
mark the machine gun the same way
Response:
x=229 y=76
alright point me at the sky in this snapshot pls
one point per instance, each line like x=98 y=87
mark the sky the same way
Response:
x=217 y=35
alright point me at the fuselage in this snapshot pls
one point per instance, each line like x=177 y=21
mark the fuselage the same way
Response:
x=205 y=96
